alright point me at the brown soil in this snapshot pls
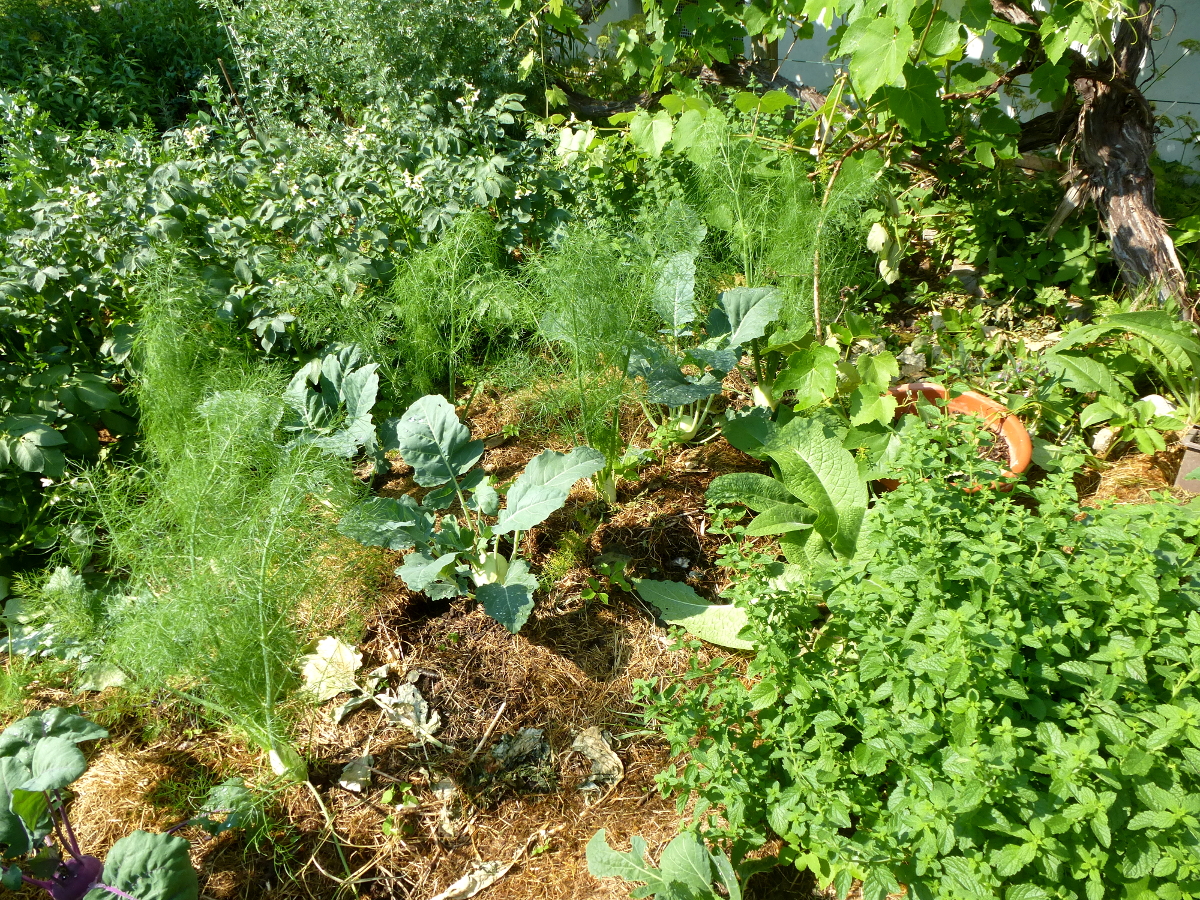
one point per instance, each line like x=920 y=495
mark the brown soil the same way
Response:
x=574 y=665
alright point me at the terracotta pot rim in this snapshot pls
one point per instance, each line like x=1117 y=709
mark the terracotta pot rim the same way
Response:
x=996 y=415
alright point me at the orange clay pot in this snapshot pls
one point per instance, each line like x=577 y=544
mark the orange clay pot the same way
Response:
x=997 y=417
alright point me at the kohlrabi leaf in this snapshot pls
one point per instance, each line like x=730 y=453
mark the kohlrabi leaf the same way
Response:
x=484 y=498
x=670 y=387
x=811 y=373
x=721 y=360
x=510 y=603
x=19 y=738
x=685 y=861
x=749 y=312
x=666 y=384
x=816 y=468
x=749 y=431
x=674 y=295
x=784 y=518
x=13 y=833
x=544 y=485
x=149 y=867
x=679 y=605
x=397 y=523
x=420 y=570
x=759 y=492
x=56 y=763
x=359 y=389
x=433 y=441
x=605 y=862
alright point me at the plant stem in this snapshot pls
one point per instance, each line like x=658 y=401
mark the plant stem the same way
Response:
x=67 y=824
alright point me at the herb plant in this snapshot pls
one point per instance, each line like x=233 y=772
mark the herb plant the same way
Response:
x=457 y=554
x=992 y=697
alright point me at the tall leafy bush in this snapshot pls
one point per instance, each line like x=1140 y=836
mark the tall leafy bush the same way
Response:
x=994 y=697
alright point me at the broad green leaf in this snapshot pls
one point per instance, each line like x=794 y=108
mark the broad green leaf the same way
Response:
x=420 y=570
x=877 y=369
x=878 y=51
x=815 y=467
x=1081 y=372
x=679 y=605
x=433 y=441
x=783 y=518
x=13 y=833
x=869 y=404
x=397 y=523
x=759 y=492
x=918 y=105
x=749 y=312
x=510 y=603
x=359 y=389
x=945 y=35
x=651 y=133
x=670 y=387
x=150 y=867
x=605 y=862
x=19 y=738
x=1094 y=414
x=750 y=431
x=674 y=295
x=56 y=763
x=812 y=374
x=1155 y=326
x=685 y=861
x=544 y=485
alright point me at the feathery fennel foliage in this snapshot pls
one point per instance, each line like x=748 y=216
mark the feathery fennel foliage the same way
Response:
x=212 y=541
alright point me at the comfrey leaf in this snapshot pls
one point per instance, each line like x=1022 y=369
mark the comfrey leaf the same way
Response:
x=679 y=605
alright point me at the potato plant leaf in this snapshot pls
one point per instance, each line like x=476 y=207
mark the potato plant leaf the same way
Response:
x=679 y=605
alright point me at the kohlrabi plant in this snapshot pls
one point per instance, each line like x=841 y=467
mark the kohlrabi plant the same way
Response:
x=736 y=325
x=329 y=403
x=686 y=870
x=455 y=533
x=39 y=759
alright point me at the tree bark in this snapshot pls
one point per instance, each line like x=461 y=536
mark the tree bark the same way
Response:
x=1111 y=164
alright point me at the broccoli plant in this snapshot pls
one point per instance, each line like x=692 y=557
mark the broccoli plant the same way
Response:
x=39 y=759
x=453 y=555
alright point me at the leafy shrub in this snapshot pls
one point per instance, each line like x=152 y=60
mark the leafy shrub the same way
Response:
x=109 y=64
x=993 y=697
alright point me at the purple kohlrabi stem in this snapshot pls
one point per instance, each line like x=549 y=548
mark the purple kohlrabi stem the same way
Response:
x=112 y=890
x=54 y=820
x=67 y=822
